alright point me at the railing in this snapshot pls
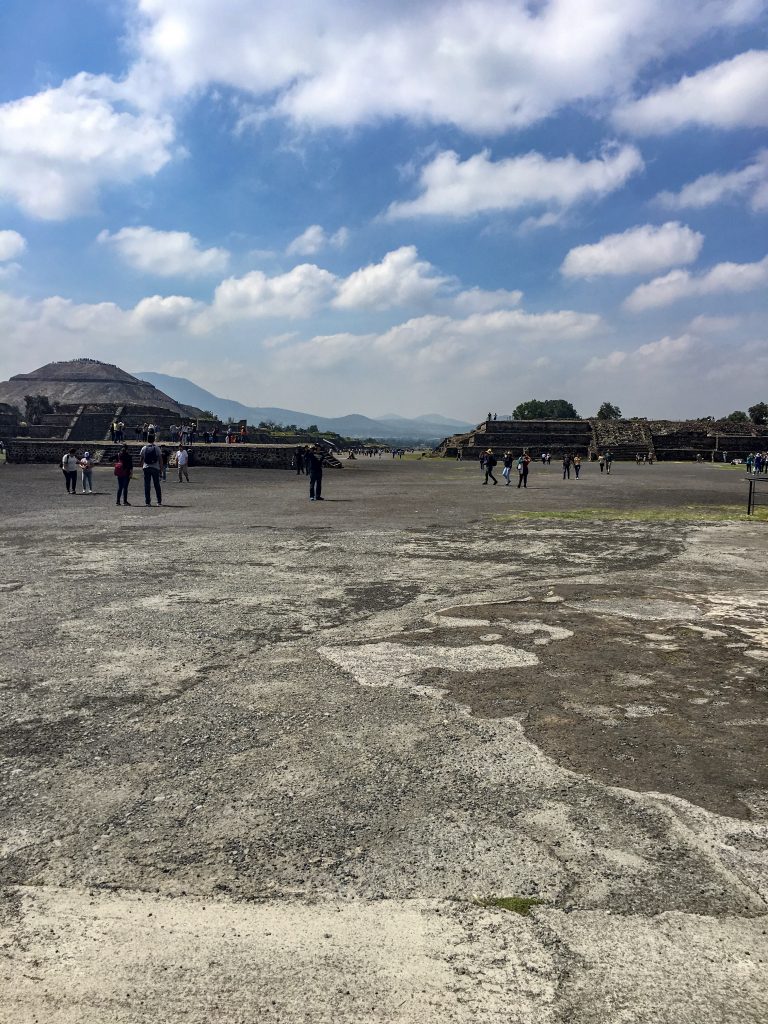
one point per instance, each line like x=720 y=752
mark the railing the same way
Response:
x=757 y=496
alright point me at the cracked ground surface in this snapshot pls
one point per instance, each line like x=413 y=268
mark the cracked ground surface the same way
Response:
x=261 y=757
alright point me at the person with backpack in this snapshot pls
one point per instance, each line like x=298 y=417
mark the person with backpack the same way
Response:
x=151 y=463
x=567 y=466
x=123 y=472
x=69 y=466
x=490 y=462
x=315 y=459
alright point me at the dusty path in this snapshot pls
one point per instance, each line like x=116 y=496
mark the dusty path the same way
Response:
x=260 y=757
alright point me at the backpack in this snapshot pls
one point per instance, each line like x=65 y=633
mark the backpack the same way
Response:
x=490 y=461
x=150 y=455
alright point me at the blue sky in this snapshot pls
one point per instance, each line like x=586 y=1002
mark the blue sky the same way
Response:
x=443 y=207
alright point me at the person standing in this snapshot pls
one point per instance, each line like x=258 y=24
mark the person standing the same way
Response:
x=86 y=473
x=151 y=461
x=523 y=464
x=182 y=461
x=566 y=466
x=164 y=457
x=608 y=462
x=315 y=458
x=507 y=460
x=113 y=431
x=298 y=459
x=577 y=464
x=490 y=462
x=69 y=466
x=123 y=472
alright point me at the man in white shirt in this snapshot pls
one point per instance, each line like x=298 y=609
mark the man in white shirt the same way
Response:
x=182 y=461
x=151 y=462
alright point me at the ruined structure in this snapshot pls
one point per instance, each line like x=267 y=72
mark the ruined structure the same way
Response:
x=681 y=440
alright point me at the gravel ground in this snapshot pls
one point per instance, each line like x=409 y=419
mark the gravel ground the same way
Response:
x=261 y=758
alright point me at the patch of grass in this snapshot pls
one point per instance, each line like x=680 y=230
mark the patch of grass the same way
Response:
x=681 y=514
x=517 y=904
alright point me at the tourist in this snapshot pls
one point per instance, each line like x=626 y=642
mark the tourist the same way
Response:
x=69 y=466
x=113 y=431
x=86 y=473
x=507 y=460
x=490 y=462
x=151 y=461
x=566 y=466
x=608 y=462
x=315 y=457
x=522 y=469
x=120 y=436
x=298 y=460
x=164 y=458
x=144 y=432
x=459 y=455
x=577 y=465
x=543 y=458
x=182 y=461
x=123 y=472
x=601 y=462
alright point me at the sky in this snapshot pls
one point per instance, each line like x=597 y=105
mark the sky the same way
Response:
x=338 y=206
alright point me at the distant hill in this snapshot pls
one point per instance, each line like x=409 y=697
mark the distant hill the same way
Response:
x=422 y=428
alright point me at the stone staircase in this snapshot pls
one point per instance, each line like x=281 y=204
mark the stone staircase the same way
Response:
x=623 y=438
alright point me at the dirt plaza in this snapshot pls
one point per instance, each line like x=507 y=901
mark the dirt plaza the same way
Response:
x=429 y=751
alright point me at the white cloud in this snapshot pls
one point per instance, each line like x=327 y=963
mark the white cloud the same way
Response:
x=455 y=188
x=680 y=284
x=12 y=244
x=504 y=337
x=750 y=182
x=60 y=146
x=164 y=253
x=486 y=66
x=733 y=94
x=714 y=324
x=637 y=250
x=315 y=238
x=654 y=354
x=296 y=294
x=165 y=312
x=477 y=300
x=400 y=279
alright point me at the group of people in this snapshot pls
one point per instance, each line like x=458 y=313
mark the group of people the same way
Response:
x=523 y=461
x=757 y=462
x=154 y=460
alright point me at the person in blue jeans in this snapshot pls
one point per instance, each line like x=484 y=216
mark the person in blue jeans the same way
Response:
x=123 y=472
x=152 y=464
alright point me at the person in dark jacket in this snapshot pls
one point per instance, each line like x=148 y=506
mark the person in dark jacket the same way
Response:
x=299 y=460
x=490 y=462
x=123 y=472
x=315 y=459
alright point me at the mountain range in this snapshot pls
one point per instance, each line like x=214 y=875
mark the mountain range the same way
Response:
x=430 y=427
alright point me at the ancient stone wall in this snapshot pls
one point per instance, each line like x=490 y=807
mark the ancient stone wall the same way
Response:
x=245 y=456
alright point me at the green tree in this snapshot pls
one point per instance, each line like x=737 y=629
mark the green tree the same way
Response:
x=738 y=417
x=759 y=413
x=36 y=406
x=313 y=429
x=609 y=412
x=549 y=409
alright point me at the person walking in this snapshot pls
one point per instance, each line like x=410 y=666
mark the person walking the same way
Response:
x=69 y=466
x=507 y=460
x=182 y=461
x=490 y=462
x=566 y=466
x=577 y=465
x=151 y=457
x=123 y=472
x=164 y=458
x=608 y=462
x=315 y=458
x=601 y=462
x=522 y=470
x=86 y=473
